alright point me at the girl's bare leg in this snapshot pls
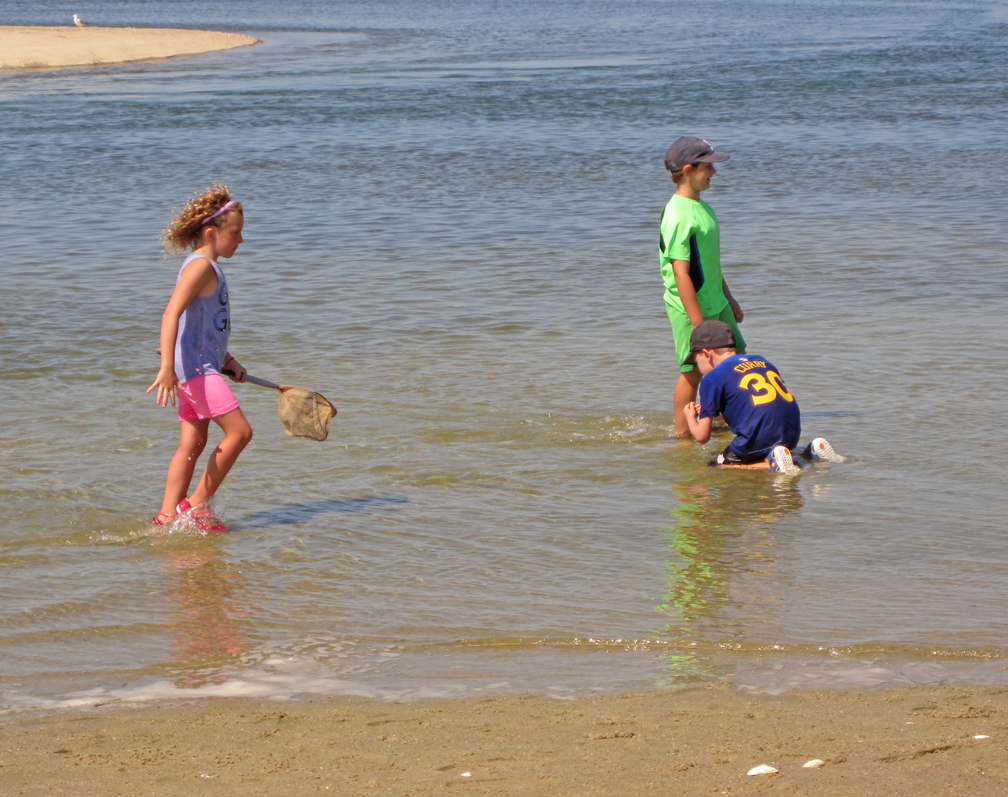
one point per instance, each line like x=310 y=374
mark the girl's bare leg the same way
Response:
x=237 y=434
x=180 y=471
x=685 y=392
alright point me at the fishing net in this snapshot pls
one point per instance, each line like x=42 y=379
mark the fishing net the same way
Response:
x=304 y=413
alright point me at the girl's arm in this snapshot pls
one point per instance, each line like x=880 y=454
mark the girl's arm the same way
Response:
x=687 y=293
x=194 y=280
x=735 y=306
x=700 y=429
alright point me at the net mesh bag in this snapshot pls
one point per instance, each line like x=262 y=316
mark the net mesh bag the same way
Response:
x=304 y=413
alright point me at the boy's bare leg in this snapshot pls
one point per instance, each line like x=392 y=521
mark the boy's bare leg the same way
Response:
x=761 y=465
x=193 y=438
x=685 y=392
x=237 y=434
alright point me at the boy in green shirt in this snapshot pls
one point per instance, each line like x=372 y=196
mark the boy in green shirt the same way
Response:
x=690 y=258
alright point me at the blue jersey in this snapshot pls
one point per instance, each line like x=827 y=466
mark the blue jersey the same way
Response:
x=756 y=405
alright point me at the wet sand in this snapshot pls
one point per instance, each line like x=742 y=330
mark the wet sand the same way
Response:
x=912 y=741
x=28 y=46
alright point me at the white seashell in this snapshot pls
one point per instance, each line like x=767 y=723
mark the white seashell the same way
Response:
x=762 y=769
x=981 y=736
x=466 y=775
x=815 y=763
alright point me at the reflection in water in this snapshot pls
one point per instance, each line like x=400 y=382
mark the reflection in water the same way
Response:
x=206 y=591
x=723 y=527
x=306 y=510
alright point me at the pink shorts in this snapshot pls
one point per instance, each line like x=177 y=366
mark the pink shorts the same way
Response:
x=205 y=397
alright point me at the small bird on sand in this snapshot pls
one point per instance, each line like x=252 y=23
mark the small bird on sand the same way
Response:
x=80 y=23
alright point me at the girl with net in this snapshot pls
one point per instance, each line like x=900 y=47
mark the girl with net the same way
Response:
x=194 y=336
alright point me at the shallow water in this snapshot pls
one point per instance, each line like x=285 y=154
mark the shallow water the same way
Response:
x=451 y=224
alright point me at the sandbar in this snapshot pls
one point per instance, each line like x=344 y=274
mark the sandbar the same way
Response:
x=24 y=46
x=913 y=741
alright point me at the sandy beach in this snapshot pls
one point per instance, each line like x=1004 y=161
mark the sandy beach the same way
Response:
x=28 y=46
x=913 y=741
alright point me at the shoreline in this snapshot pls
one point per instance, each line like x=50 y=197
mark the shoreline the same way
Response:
x=47 y=47
x=910 y=741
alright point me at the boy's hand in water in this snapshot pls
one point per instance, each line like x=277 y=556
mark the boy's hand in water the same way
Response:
x=165 y=384
x=700 y=429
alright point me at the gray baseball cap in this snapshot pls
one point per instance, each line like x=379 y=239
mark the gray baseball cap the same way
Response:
x=687 y=149
x=710 y=334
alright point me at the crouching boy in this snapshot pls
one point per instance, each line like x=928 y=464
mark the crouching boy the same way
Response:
x=748 y=391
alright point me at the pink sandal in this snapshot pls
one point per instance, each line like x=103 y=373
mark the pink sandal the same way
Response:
x=204 y=519
x=157 y=521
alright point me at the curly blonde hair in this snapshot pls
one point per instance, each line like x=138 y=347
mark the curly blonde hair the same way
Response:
x=186 y=228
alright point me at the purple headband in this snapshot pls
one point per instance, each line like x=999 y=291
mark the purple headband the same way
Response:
x=213 y=216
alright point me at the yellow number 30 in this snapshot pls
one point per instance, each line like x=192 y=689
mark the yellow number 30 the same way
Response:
x=765 y=391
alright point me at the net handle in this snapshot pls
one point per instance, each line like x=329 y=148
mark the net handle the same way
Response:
x=255 y=380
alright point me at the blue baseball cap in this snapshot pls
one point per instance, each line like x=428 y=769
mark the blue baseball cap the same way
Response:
x=687 y=149
x=710 y=334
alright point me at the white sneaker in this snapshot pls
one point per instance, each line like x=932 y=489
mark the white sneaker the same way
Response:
x=781 y=462
x=820 y=449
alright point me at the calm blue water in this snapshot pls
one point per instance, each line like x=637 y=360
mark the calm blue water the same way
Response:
x=451 y=229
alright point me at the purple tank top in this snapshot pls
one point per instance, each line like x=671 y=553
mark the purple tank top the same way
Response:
x=203 y=330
